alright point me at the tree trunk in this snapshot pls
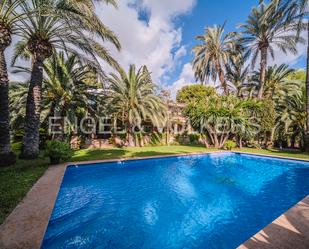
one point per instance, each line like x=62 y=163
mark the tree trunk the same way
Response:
x=240 y=142
x=130 y=136
x=7 y=157
x=222 y=78
x=263 y=66
x=33 y=110
x=306 y=144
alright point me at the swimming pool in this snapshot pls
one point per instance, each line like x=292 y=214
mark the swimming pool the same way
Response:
x=216 y=200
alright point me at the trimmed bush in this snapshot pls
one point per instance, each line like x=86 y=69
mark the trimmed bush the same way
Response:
x=229 y=145
x=57 y=151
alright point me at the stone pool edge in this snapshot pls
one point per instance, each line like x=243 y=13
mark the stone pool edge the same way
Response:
x=25 y=227
x=288 y=231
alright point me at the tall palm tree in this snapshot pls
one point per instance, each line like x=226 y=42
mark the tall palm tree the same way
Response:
x=8 y=19
x=49 y=26
x=213 y=55
x=265 y=30
x=134 y=99
x=298 y=11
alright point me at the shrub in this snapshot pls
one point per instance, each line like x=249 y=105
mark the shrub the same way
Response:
x=229 y=145
x=194 y=138
x=57 y=150
x=253 y=145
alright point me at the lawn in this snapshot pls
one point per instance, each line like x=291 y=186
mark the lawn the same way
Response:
x=274 y=152
x=99 y=154
x=16 y=181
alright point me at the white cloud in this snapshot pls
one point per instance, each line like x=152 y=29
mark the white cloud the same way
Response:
x=186 y=78
x=290 y=58
x=156 y=43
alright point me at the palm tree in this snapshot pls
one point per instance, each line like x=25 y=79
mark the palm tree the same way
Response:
x=237 y=75
x=69 y=91
x=298 y=11
x=49 y=26
x=276 y=80
x=292 y=115
x=8 y=21
x=134 y=100
x=213 y=55
x=266 y=29
x=66 y=88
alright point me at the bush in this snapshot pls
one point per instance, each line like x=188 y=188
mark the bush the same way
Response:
x=57 y=151
x=229 y=145
x=194 y=138
x=253 y=145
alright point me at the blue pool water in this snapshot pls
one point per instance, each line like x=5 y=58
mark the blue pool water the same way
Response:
x=207 y=201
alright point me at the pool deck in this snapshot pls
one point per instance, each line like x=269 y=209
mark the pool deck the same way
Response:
x=24 y=228
x=289 y=231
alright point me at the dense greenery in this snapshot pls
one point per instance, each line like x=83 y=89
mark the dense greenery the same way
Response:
x=134 y=100
x=253 y=104
x=57 y=151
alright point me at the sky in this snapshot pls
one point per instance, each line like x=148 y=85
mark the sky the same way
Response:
x=161 y=34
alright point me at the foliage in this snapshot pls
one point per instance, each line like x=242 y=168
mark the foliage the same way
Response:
x=267 y=115
x=297 y=75
x=133 y=99
x=68 y=21
x=194 y=93
x=58 y=149
x=291 y=109
x=214 y=54
x=237 y=74
x=229 y=145
x=266 y=26
x=68 y=86
x=275 y=79
x=265 y=30
x=218 y=117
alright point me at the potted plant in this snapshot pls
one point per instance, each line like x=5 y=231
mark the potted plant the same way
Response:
x=57 y=151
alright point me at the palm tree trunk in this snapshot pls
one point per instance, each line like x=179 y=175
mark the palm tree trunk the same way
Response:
x=33 y=110
x=263 y=71
x=222 y=79
x=7 y=157
x=240 y=142
x=306 y=144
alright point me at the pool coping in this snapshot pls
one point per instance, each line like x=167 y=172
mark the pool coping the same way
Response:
x=25 y=227
x=289 y=231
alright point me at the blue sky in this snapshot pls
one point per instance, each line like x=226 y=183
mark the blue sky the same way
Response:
x=208 y=13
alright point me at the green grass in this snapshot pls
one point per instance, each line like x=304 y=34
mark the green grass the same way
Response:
x=16 y=181
x=101 y=154
x=274 y=152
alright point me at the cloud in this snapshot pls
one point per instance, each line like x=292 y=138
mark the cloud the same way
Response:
x=168 y=8
x=290 y=58
x=154 y=42
x=186 y=78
